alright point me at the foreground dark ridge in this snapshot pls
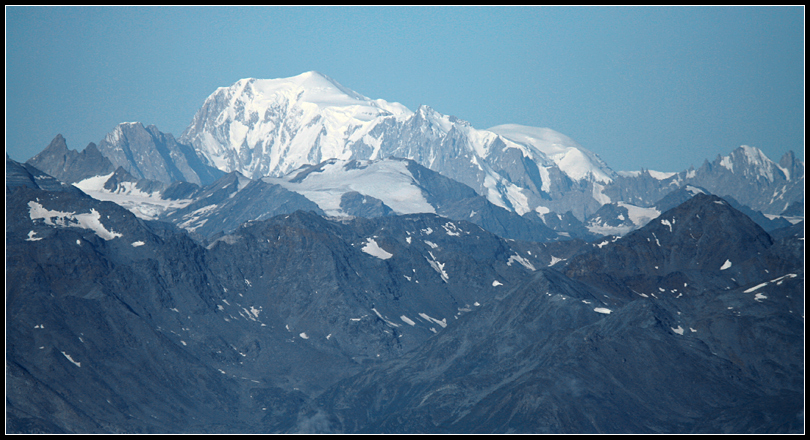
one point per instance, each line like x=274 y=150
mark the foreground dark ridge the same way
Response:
x=298 y=324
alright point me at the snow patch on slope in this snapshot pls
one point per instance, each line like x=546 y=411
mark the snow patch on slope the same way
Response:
x=147 y=206
x=373 y=249
x=526 y=263
x=91 y=220
x=437 y=266
x=387 y=180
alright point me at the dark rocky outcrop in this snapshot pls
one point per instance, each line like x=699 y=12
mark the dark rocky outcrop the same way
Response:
x=70 y=166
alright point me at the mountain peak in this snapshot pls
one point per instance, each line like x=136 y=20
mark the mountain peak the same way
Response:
x=70 y=165
x=788 y=159
x=310 y=87
x=704 y=234
x=314 y=77
x=134 y=125
x=122 y=130
x=700 y=233
x=58 y=144
x=752 y=162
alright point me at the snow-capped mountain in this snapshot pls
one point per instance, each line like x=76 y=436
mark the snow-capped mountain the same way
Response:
x=271 y=127
x=746 y=176
x=396 y=186
x=389 y=181
x=365 y=188
x=345 y=189
x=572 y=159
x=752 y=178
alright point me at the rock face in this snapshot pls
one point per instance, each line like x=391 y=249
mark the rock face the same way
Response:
x=71 y=166
x=87 y=349
x=750 y=177
x=550 y=362
x=621 y=218
x=146 y=153
x=392 y=280
x=355 y=204
x=796 y=209
x=746 y=175
x=24 y=175
x=143 y=152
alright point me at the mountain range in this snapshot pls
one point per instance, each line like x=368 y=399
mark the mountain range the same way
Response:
x=275 y=129
x=306 y=259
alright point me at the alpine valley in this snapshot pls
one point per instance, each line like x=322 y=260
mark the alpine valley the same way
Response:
x=304 y=259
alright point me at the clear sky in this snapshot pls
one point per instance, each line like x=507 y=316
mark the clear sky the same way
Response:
x=659 y=88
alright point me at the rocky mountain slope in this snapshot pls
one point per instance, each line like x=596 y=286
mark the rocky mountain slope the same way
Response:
x=402 y=323
x=559 y=355
x=117 y=324
x=147 y=153
x=69 y=165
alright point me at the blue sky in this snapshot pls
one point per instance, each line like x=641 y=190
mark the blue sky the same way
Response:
x=659 y=88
